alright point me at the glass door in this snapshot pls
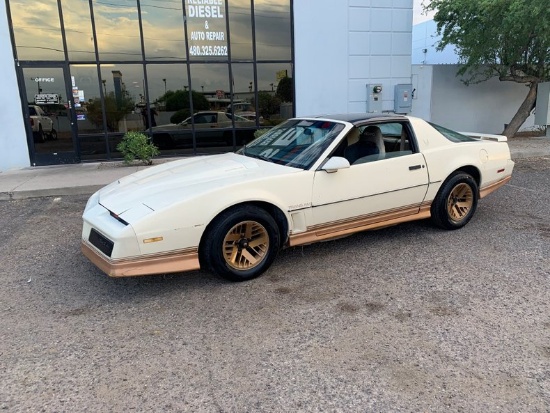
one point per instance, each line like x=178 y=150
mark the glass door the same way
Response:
x=48 y=105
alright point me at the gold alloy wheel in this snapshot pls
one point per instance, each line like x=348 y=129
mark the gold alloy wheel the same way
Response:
x=245 y=245
x=460 y=202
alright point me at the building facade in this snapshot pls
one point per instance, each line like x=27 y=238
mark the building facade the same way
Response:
x=196 y=76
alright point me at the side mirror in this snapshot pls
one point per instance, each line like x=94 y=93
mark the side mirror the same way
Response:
x=335 y=163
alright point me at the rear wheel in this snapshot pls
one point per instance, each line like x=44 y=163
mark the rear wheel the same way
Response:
x=53 y=135
x=241 y=243
x=455 y=202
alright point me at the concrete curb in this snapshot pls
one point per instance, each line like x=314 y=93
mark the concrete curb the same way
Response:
x=49 y=192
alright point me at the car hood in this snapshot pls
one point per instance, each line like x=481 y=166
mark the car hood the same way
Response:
x=172 y=182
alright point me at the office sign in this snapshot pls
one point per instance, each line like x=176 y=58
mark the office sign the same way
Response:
x=206 y=28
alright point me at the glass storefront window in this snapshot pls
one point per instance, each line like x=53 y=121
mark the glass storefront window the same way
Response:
x=78 y=30
x=169 y=106
x=273 y=29
x=274 y=100
x=181 y=88
x=240 y=26
x=163 y=32
x=37 y=30
x=117 y=30
x=207 y=31
x=89 y=117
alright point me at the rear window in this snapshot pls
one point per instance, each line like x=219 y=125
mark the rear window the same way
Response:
x=451 y=134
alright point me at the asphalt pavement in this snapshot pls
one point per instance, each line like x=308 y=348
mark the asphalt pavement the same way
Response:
x=86 y=178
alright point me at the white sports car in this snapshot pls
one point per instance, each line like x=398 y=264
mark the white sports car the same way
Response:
x=306 y=180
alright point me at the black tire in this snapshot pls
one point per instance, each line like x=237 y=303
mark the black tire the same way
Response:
x=240 y=244
x=53 y=135
x=456 y=201
x=40 y=136
x=163 y=141
x=228 y=138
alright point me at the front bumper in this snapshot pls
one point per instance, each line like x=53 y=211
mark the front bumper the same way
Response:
x=162 y=263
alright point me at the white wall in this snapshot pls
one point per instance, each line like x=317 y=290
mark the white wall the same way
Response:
x=483 y=107
x=339 y=50
x=13 y=143
x=422 y=76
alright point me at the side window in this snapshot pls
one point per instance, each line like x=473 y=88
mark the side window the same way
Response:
x=379 y=141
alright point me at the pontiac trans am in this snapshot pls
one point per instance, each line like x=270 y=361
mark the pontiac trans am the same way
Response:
x=306 y=180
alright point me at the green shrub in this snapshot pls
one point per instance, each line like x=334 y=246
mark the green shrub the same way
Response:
x=180 y=115
x=136 y=145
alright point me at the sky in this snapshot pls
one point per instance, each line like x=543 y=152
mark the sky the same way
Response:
x=418 y=14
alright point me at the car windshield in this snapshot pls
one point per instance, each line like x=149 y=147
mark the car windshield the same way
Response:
x=297 y=142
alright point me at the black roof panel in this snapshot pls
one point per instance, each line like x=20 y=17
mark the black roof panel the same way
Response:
x=361 y=117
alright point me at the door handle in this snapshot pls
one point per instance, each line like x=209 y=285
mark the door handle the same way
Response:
x=415 y=167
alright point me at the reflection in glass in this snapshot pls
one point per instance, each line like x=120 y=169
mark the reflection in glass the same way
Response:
x=85 y=88
x=117 y=30
x=243 y=91
x=37 y=30
x=274 y=97
x=240 y=26
x=122 y=90
x=46 y=95
x=273 y=29
x=78 y=30
x=216 y=134
x=169 y=101
x=163 y=32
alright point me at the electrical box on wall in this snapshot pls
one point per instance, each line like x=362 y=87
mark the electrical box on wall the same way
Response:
x=374 y=98
x=402 y=98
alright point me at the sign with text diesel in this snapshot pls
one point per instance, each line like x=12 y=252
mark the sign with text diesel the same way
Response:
x=206 y=28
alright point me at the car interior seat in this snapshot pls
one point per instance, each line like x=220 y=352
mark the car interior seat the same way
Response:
x=370 y=143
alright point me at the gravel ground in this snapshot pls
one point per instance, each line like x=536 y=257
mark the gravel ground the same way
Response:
x=409 y=318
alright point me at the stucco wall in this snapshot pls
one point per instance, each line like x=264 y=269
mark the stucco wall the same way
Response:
x=339 y=50
x=483 y=107
x=13 y=143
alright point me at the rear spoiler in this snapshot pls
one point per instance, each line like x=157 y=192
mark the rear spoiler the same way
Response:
x=486 y=136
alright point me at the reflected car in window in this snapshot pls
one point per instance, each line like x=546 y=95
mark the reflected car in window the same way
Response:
x=213 y=129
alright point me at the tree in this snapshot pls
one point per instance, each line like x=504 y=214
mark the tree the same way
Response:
x=115 y=110
x=267 y=104
x=505 y=38
x=180 y=100
x=284 y=89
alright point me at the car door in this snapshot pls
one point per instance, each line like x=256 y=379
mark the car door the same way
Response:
x=373 y=191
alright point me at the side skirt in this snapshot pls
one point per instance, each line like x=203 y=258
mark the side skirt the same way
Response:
x=362 y=223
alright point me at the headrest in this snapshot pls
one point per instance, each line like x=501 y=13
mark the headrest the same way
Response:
x=370 y=133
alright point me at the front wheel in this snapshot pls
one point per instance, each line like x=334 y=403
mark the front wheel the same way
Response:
x=455 y=202
x=40 y=136
x=241 y=243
